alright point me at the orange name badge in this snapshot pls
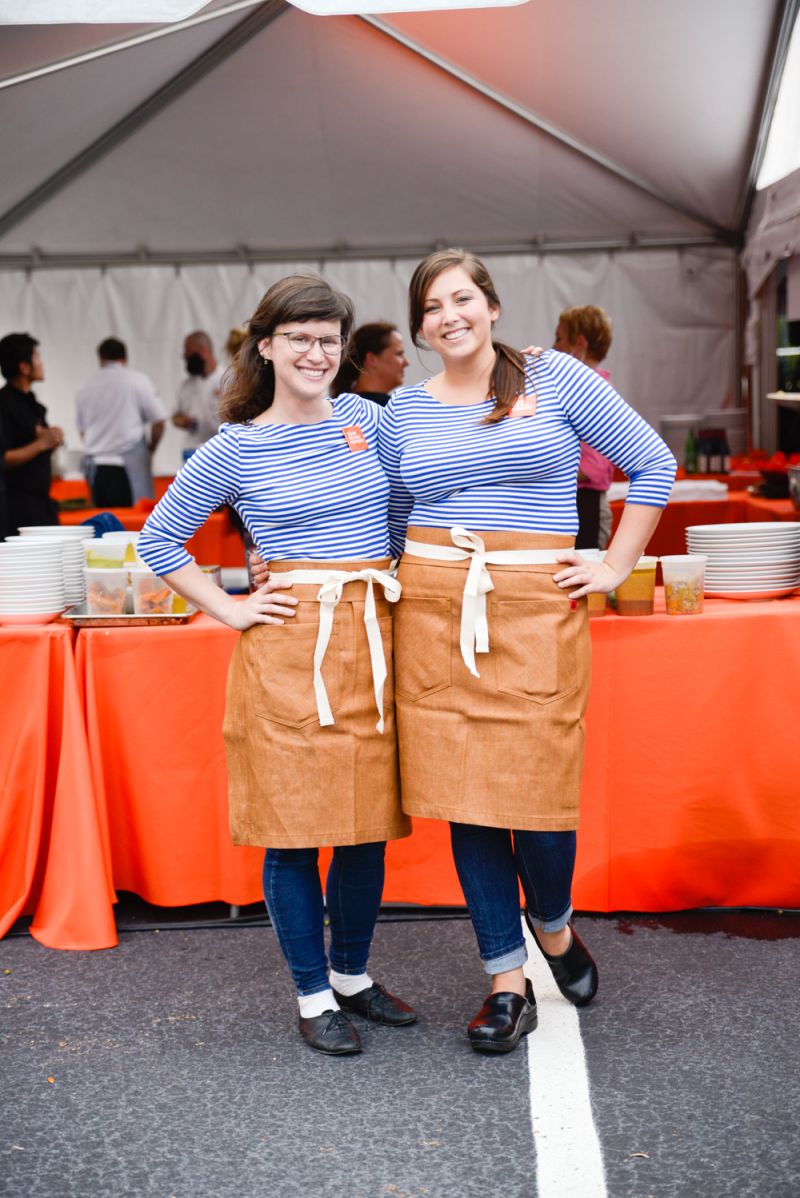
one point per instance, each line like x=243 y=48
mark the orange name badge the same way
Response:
x=523 y=405
x=355 y=439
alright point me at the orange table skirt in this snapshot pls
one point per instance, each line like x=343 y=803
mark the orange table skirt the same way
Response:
x=54 y=855
x=685 y=798
x=217 y=543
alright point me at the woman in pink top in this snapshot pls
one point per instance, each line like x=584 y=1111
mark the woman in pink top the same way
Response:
x=585 y=333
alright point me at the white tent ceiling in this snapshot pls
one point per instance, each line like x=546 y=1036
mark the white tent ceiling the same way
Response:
x=571 y=123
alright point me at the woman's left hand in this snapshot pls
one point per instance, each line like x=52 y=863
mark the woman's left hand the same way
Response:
x=259 y=570
x=589 y=577
x=535 y=351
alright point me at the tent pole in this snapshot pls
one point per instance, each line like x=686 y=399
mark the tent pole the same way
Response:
x=544 y=126
x=264 y=15
x=129 y=43
x=248 y=255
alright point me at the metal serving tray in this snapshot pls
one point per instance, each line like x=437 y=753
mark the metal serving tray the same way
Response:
x=79 y=617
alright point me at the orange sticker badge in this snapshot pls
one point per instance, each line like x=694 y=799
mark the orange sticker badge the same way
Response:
x=355 y=438
x=523 y=405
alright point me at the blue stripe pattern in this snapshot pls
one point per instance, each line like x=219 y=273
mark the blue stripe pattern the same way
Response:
x=300 y=490
x=446 y=467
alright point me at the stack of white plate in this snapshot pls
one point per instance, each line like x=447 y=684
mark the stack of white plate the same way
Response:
x=71 y=537
x=748 y=561
x=31 y=581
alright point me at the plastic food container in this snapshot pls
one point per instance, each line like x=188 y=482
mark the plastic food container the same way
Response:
x=127 y=539
x=105 y=591
x=596 y=603
x=636 y=595
x=684 y=580
x=214 y=573
x=102 y=555
x=152 y=596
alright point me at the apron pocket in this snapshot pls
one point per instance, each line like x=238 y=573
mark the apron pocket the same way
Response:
x=280 y=668
x=534 y=644
x=422 y=645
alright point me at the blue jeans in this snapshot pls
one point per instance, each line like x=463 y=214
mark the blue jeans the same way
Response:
x=490 y=868
x=293 y=895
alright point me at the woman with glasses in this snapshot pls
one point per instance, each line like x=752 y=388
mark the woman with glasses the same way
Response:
x=309 y=724
x=491 y=635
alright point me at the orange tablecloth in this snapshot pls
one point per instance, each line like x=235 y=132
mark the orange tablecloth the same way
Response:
x=217 y=543
x=686 y=801
x=770 y=509
x=53 y=840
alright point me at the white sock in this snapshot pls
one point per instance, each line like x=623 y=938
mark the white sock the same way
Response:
x=349 y=984
x=312 y=1005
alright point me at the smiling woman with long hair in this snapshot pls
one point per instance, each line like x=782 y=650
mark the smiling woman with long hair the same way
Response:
x=491 y=635
x=309 y=721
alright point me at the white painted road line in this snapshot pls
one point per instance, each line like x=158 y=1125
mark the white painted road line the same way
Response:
x=569 y=1159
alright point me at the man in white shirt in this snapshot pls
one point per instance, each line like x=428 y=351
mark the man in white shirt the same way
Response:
x=114 y=410
x=199 y=396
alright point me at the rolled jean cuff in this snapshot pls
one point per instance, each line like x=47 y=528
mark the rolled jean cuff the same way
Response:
x=511 y=960
x=551 y=925
x=307 y=989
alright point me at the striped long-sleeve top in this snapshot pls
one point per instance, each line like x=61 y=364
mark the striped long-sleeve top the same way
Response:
x=446 y=467
x=303 y=490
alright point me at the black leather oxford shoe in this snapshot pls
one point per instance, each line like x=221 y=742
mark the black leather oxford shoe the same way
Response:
x=502 y=1021
x=331 y=1032
x=378 y=1006
x=574 y=971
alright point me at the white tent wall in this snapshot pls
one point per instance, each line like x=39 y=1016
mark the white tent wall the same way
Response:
x=673 y=313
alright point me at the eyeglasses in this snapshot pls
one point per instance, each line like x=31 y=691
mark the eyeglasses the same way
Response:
x=301 y=343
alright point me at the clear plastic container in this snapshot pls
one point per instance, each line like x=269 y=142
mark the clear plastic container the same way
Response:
x=127 y=539
x=596 y=603
x=106 y=591
x=684 y=582
x=104 y=555
x=636 y=595
x=152 y=596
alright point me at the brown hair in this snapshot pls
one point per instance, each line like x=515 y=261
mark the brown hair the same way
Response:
x=367 y=339
x=508 y=374
x=251 y=386
x=592 y=323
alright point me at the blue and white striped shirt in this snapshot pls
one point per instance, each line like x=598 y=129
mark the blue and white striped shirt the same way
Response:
x=446 y=467
x=300 y=489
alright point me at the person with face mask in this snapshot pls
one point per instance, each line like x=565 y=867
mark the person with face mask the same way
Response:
x=197 y=411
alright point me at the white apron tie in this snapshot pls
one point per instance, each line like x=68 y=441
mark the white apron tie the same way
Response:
x=466 y=544
x=328 y=596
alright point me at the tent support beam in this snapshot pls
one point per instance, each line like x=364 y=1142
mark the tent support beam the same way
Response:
x=264 y=15
x=724 y=235
x=320 y=255
x=783 y=35
x=129 y=43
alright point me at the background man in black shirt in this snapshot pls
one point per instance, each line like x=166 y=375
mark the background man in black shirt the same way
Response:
x=29 y=441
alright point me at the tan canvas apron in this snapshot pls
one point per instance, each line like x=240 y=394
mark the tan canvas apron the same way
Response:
x=504 y=749
x=307 y=765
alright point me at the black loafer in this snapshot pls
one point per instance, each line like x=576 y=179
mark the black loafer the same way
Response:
x=574 y=971
x=503 y=1020
x=378 y=1006
x=331 y=1032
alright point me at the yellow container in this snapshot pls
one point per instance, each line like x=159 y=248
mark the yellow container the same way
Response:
x=635 y=596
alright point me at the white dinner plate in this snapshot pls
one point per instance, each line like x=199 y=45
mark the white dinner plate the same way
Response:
x=768 y=526
x=777 y=593
x=764 y=563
